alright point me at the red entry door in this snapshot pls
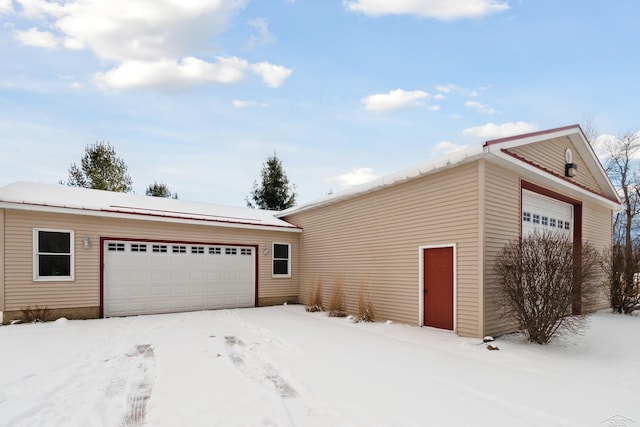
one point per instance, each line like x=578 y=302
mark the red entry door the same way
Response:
x=438 y=288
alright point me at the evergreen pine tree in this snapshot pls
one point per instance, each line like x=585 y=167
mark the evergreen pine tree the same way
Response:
x=274 y=192
x=160 y=189
x=100 y=169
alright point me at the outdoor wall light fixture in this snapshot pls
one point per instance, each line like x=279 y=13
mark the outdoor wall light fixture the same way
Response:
x=570 y=168
x=87 y=242
x=265 y=251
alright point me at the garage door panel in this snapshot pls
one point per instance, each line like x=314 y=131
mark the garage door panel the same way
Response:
x=160 y=277
x=245 y=301
x=139 y=278
x=160 y=290
x=199 y=276
x=197 y=289
x=544 y=214
x=179 y=289
x=198 y=263
x=179 y=304
x=180 y=276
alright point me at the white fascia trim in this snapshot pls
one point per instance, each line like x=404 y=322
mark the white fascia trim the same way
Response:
x=107 y=214
x=516 y=165
x=580 y=143
x=586 y=151
x=516 y=141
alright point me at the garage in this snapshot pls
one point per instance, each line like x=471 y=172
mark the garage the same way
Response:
x=141 y=277
x=545 y=214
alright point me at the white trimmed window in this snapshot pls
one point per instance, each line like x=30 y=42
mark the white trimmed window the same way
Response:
x=281 y=260
x=52 y=254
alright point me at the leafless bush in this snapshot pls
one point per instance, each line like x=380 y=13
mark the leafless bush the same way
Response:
x=338 y=306
x=540 y=284
x=366 y=310
x=623 y=267
x=623 y=279
x=35 y=314
x=315 y=296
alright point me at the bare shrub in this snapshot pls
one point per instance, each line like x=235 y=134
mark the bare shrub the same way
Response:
x=366 y=310
x=338 y=306
x=541 y=285
x=35 y=314
x=315 y=296
x=623 y=279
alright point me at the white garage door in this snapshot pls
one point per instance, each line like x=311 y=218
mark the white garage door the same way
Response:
x=545 y=214
x=150 y=277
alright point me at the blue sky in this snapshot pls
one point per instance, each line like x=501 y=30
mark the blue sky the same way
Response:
x=198 y=94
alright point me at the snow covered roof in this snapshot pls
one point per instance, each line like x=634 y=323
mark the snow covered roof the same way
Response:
x=455 y=158
x=491 y=150
x=82 y=201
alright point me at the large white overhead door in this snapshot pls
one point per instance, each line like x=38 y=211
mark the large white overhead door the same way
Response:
x=155 y=277
x=545 y=214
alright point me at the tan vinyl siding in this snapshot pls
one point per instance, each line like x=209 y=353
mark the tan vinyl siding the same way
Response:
x=373 y=240
x=1 y=261
x=502 y=224
x=550 y=155
x=597 y=223
x=84 y=291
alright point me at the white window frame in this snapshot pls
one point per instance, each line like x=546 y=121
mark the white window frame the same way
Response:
x=36 y=256
x=273 y=258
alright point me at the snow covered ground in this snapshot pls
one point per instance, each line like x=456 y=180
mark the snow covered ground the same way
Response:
x=281 y=366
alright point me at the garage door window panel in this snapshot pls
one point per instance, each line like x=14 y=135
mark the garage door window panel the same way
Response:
x=53 y=255
x=545 y=214
x=281 y=260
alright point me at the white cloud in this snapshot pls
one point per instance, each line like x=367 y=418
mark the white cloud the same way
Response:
x=36 y=38
x=448 y=88
x=605 y=144
x=482 y=108
x=264 y=35
x=41 y=8
x=446 y=147
x=395 y=100
x=445 y=10
x=273 y=75
x=73 y=44
x=600 y=146
x=138 y=38
x=439 y=96
x=356 y=176
x=76 y=85
x=493 y=131
x=237 y=103
x=6 y=6
x=167 y=74
x=144 y=30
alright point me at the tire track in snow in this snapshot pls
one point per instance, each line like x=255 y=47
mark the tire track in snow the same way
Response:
x=256 y=369
x=250 y=359
x=95 y=395
x=140 y=388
